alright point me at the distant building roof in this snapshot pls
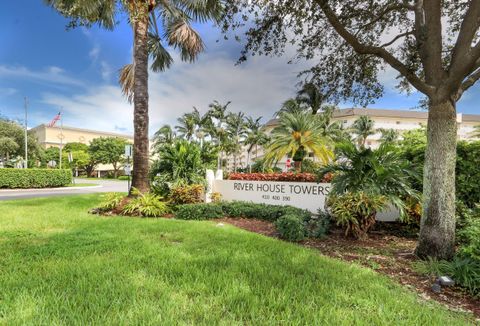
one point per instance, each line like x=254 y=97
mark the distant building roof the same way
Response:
x=343 y=113
x=103 y=133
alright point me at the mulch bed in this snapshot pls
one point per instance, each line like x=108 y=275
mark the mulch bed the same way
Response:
x=388 y=252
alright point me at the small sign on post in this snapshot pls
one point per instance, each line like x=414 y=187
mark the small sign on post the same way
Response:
x=128 y=151
x=128 y=167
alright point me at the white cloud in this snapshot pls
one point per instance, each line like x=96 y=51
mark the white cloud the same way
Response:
x=94 y=53
x=51 y=75
x=7 y=91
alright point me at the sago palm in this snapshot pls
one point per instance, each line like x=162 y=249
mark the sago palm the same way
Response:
x=156 y=25
x=298 y=134
x=379 y=172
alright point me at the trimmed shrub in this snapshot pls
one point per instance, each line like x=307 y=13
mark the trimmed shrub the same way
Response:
x=199 y=212
x=285 y=176
x=186 y=194
x=290 y=227
x=34 y=178
x=123 y=177
x=261 y=211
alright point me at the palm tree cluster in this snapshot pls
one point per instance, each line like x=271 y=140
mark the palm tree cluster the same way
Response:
x=226 y=131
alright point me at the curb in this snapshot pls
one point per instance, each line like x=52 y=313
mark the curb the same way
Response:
x=48 y=189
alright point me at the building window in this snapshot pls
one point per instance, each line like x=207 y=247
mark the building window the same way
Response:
x=345 y=122
x=397 y=122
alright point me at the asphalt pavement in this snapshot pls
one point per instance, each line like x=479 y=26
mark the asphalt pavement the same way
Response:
x=101 y=185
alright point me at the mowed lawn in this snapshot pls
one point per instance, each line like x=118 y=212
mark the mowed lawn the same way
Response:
x=61 y=266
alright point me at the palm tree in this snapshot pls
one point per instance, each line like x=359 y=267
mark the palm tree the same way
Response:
x=187 y=126
x=476 y=131
x=389 y=135
x=331 y=129
x=164 y=135
x=237 y=131
x=362 y=128
x=311 y=95
x=255 y=136
x=291 y=105
x=380 y=172
x=176 y=18
x=215 y=125
x=298 y=134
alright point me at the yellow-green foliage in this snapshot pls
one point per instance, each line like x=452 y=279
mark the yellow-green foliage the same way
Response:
x=355 y=211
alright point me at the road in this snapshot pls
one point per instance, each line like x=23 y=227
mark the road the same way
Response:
x=102 y=186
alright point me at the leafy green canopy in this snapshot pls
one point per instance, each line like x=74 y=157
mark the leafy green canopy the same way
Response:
x=12 y=140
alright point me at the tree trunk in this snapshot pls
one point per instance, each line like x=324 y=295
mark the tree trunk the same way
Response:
x=437 y=229
x=140 y=112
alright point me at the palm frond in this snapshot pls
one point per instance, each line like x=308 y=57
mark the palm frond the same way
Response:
x=126 y=80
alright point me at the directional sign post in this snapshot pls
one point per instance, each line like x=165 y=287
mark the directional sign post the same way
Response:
x=128 y=167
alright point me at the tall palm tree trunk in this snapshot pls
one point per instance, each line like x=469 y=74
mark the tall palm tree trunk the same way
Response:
x=140 y=112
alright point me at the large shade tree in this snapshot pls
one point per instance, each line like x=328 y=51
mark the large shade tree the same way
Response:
x=432 y=45
x=157 y=25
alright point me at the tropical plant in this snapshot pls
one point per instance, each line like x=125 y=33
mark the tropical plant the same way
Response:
x=331 y=129
x=216 y=126
x=297 y=134
x=237 y=131
x=355 y=211
x=312 y=96
x=292 y=105
x=181 y=163
x=389 y=135
x=110 y=201
x=255 y=137
x=187 y=194
x=174 y=29
x=379 y=172
x=362 y=128
x=145 y=205
x=186 y=126
x=164 y=135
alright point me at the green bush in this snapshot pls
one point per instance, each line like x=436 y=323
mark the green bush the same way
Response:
x=199 y=212
x=290 y=227
x=355 y=211
x=186 y=194
x=317 y=226
x=261 y=211
x=145 y=205
x=34 y=178
x=123 y=177
x=110 y=201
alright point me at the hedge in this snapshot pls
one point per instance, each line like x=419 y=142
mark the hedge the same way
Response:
x=34 y=178
x=293 y=224
x=285 y=176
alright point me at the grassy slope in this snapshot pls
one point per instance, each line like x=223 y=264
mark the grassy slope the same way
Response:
x=63 y=266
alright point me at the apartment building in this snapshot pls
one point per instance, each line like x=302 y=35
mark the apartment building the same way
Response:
x=400 y=120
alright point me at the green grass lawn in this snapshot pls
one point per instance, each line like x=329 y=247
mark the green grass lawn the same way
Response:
x=60 y=265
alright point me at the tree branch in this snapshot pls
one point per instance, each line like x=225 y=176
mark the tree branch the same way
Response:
x=469 y=82
x=374 y=50
x=385 y=11
x=468 y=30
x=396 y=38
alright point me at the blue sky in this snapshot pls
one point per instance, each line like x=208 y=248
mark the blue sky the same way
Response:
x=77 y=70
